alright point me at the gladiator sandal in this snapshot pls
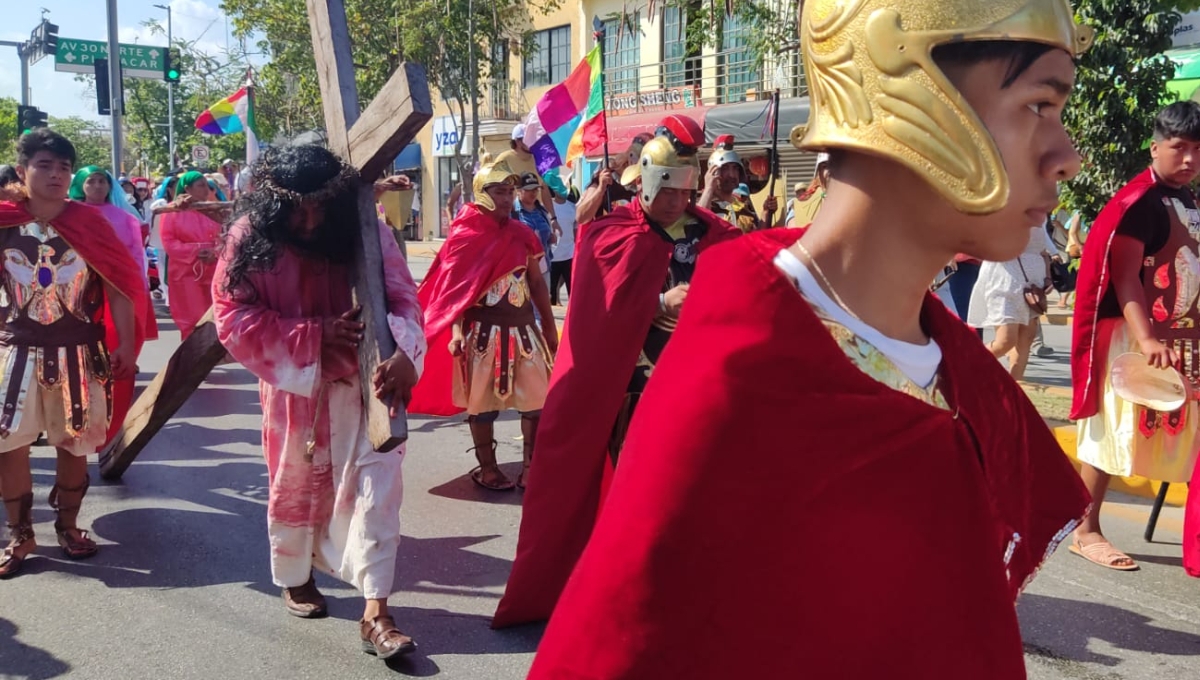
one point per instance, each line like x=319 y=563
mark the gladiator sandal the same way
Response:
x=477 y=472
x=19 y=532
x=66 y=502
x=529 y=425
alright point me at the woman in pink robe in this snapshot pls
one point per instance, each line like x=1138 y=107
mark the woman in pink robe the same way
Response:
x=96 y=187
x=192 y=241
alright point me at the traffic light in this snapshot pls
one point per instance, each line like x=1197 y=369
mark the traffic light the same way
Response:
x=171 y=66
x=104 y=96
x=28 y=118
x=49 y=38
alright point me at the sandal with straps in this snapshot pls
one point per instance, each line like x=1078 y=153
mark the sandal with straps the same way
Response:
x=19 y=533
x=75 y=542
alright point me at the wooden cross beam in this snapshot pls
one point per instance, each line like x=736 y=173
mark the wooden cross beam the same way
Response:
x=369 y=142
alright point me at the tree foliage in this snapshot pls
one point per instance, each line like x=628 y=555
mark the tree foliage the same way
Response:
x=93 y=144
x=1120 y=87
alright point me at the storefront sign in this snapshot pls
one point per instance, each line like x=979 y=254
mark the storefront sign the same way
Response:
x=1187 y=33
x=446 y=131
x=653 y=100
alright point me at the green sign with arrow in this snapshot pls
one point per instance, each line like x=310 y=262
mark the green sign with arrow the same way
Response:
x=138 y=61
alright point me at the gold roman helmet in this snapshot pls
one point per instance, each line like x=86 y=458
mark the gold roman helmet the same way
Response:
x=671 y=158
x=490 y=173
x=875 y=87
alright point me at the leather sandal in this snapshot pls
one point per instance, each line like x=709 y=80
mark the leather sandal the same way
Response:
x=75 y=542
x=305 y=601
x=19 y=534
x=381 y=638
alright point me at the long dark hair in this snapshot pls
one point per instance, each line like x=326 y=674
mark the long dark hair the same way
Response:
x=278 y=176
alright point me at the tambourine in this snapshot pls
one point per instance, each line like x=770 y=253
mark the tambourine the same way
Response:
x=1134 y=380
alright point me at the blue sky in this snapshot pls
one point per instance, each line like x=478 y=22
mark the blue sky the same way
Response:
x=58 y=93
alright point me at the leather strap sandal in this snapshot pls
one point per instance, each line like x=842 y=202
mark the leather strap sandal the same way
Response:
x=75 y=542
x=381 y=638
x=19 y=533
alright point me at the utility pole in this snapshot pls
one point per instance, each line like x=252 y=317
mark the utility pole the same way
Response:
x=23 y=50
x=170 y=97
x=115 y=85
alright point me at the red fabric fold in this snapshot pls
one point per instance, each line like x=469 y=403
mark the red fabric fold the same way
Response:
x=619 y=269
x=773 y=497
x=1087 y=363
x=478 y=252
x=91 y=235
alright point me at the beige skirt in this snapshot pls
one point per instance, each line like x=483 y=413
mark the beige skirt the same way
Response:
x=1126 y=439
x=508 y=368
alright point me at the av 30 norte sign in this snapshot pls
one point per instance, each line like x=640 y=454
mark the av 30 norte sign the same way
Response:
x=137 y=61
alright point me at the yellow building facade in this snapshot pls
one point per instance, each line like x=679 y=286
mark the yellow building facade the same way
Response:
x=649 y=72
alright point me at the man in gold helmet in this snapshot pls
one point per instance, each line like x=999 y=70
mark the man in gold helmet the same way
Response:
x=631 y=277
x=725 y=174
x=829 y=476
x=487 y=352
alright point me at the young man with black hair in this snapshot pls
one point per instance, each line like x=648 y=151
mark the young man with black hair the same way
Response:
x=1136 y=292
x=828 y=475
x=283 y=308
x=65 y=280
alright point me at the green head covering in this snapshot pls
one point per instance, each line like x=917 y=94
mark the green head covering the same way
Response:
x=186 y=180
x=76 y=190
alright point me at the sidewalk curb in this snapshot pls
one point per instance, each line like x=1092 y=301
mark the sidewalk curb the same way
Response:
x=1133 y=485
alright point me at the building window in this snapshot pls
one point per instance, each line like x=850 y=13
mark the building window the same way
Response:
x=622 y=55
x=549 y=61
x=680 y=66
x=737 y=61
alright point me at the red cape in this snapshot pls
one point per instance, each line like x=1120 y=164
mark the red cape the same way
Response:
x=617 y=274
x=778 y=513
x=476 y=254
x=90 y=234
x=1088 y=351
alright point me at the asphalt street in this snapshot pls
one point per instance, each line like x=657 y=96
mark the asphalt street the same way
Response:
x=181 y=587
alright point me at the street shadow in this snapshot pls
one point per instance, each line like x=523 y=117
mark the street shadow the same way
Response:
x=24 y=661
x=1168 y=560
x=440 y=631
x=221 y=401
x=434 y=424
x=463 y=488
x=445 y=565
x=1073 y=624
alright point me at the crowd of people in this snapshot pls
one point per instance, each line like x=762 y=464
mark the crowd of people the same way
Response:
x=665 y=452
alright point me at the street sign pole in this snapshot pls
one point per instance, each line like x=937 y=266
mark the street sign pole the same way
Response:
x=115 y=86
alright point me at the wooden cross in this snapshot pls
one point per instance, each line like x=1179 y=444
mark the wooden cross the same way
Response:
x=368 y=141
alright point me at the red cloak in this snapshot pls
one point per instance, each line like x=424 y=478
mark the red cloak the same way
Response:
x=91 y=235
x=1088 y=348
x=778 y=513
x=618 y=272
x=478 y=252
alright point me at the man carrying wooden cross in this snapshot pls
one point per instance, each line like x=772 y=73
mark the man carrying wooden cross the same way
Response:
x=283 y=308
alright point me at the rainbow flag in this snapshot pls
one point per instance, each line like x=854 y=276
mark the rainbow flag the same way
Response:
x=568 y=117
x=231 y=115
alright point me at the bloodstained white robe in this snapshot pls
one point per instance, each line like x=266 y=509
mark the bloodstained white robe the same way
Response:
x=336 y=508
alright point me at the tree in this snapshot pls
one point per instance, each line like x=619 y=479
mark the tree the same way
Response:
x=1120 y=87
x=8 y=130
x=461 y=44
x=93 y=144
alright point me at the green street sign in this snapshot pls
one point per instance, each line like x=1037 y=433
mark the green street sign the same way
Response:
x=138 y=61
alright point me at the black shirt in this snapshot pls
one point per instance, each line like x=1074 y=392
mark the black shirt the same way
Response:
x=1148 y=221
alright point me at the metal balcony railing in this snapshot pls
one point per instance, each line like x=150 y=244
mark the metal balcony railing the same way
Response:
x=720 y=78
x=500 y=99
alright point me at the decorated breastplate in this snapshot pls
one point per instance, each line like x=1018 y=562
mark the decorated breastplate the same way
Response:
x=1172 y=284
x=511 y=288
x=47 y=290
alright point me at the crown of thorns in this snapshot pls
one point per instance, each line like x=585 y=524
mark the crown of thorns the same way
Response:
x=345 y=180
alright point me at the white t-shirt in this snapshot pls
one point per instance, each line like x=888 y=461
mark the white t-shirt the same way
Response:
x=919 y=363
x=565 y=248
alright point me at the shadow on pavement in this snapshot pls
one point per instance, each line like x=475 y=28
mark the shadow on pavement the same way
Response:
x=463 y=488
x=22 y=661
x=1072 y=624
